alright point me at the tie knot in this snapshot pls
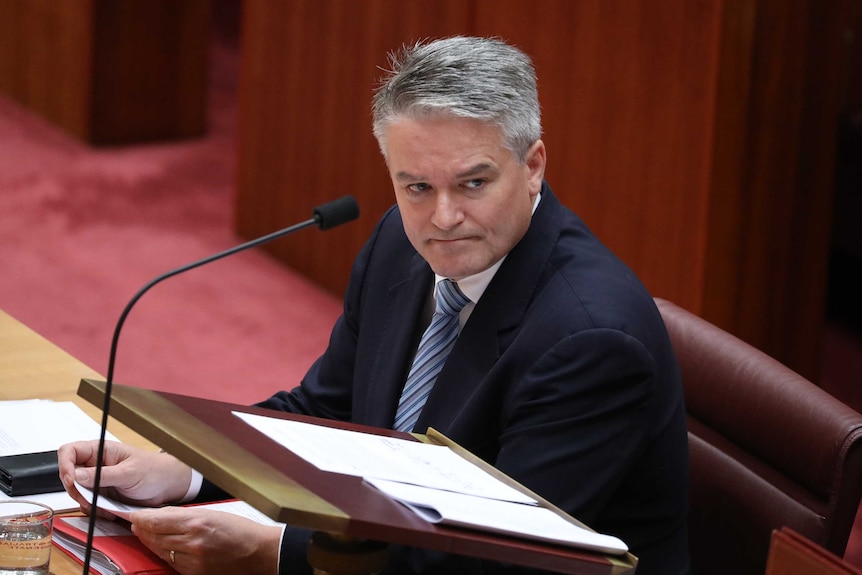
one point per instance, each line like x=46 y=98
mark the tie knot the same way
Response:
x=450 y=299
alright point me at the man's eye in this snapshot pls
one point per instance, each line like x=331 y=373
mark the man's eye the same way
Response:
x=474 y=184
x=418 y=188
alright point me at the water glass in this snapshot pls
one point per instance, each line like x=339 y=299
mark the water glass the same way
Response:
x=25 y=537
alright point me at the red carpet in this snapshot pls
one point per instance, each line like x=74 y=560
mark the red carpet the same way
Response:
x=82 y=230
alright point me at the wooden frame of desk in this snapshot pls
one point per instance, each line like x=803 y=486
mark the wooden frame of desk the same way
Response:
x=33 y=367
x=206 y=435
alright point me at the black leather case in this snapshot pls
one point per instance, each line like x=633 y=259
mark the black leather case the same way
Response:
x=30 y=473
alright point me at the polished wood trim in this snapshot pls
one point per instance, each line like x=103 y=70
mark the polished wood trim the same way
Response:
x=791 y=553
x=199 y=433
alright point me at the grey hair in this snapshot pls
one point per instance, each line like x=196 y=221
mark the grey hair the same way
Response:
x=480 y=78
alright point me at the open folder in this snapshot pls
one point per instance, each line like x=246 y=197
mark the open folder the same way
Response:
x=116 y=550
x=434 y=481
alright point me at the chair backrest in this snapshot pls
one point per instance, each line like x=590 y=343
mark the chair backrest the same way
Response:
x=792 y=554
x=768 y=449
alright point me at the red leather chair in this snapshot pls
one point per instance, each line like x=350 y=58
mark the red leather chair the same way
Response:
x=768 y=449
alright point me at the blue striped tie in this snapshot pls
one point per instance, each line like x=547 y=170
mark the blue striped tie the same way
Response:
x=434 y=348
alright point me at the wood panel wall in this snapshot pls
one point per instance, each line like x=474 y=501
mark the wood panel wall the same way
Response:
x=694 y=136
x=627 y=94
x=108 y=71
x=307 y=73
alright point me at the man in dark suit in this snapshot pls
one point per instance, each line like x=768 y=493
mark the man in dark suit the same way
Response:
x=557 y=369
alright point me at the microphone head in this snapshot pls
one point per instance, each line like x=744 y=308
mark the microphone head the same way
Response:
x=336 y=212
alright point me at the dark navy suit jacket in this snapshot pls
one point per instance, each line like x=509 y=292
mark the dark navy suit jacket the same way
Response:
x=563 y=378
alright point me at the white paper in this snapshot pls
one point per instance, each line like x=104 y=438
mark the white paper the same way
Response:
x=99 y=562
x=124 y=510
x=36 y=425
x=242 y=509
x=529 y=521
x=112 y=506
x=59 y=501
x=33 y=426
x=377 y=456
x=432 y=480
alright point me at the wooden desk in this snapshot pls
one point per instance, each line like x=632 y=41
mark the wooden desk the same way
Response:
x=206 y=435
x=33 y=367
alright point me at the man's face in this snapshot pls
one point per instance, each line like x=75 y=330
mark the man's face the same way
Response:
x=464 y=198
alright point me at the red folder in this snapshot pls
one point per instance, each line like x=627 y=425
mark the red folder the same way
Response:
x=116 y=550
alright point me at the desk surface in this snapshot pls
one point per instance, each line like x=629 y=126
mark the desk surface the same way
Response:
x=33 y=367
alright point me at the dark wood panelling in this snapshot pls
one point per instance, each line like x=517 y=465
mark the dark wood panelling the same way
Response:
x=777 y=142
x=309 y=68
x=108 y=71
x=627 y=93
x=45 y=61
x=694 y=136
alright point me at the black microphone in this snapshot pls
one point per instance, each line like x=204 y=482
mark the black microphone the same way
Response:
x=325 y=216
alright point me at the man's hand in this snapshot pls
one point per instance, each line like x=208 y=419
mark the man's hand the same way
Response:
x=206 y=541
x=129 y=474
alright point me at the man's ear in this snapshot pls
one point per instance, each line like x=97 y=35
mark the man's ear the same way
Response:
x=535 y=163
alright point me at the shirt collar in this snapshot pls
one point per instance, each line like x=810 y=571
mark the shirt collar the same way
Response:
x=474 y=286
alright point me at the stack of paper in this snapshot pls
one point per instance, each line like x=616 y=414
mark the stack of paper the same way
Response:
x=432 y=480
x=116 y=550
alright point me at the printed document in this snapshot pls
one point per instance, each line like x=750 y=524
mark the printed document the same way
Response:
x=431 y=480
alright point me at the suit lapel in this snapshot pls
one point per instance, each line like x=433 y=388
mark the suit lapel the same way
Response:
x=398 y=332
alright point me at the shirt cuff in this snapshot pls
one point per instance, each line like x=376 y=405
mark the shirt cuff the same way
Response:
x=194 y=487
x=281 y=546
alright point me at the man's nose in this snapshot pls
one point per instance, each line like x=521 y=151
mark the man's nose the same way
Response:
x=447 y=212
